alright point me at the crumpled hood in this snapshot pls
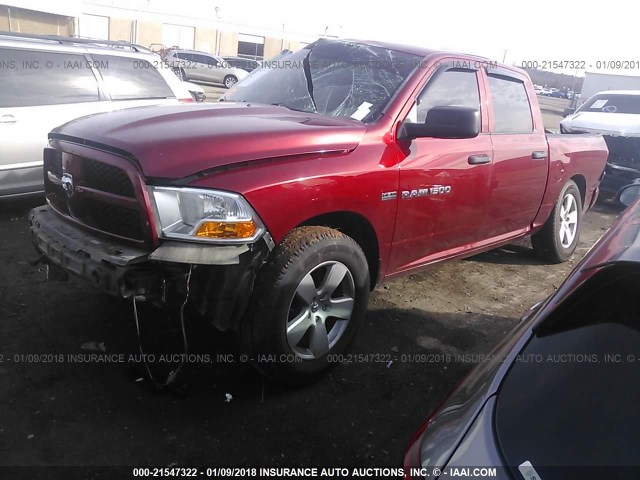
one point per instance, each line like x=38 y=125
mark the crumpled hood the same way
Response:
x=175 y=141
x=614 y=124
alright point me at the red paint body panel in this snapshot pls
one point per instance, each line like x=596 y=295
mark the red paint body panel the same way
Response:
x=181 y=140
x=572 y=156
x=294 y=166
x=435 y=223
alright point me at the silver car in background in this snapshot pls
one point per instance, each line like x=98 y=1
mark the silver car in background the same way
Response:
x=46 y=81
x=201 y=66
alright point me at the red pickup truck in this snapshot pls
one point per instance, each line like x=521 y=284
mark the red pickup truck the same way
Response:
x=275 y=212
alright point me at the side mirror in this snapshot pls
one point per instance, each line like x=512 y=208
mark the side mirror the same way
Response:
x=568 y=111
x=445 y=122
x=629 y=194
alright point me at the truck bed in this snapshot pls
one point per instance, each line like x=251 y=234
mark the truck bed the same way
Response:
x=581 y=157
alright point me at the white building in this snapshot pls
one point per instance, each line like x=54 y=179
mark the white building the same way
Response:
x=191 y=24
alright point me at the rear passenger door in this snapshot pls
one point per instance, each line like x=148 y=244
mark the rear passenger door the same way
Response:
x=188 y=62
x=39 y=90
x=520 y=163
x=212 y=68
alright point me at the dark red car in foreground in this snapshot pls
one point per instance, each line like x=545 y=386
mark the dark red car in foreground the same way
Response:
x=275 y=212
x=558 y=399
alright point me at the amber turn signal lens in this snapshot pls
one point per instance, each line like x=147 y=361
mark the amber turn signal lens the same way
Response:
x=211 y=229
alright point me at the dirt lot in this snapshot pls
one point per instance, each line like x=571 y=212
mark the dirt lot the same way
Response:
x=70 y=411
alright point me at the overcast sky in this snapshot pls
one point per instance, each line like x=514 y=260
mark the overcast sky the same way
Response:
x=536 y=30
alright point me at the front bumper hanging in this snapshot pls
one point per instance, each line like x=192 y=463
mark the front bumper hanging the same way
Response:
x=222 y=276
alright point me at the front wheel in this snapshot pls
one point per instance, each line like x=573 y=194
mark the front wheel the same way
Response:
x=307 y=304
x=559 y=237
x=180 y=73
x=230 y=81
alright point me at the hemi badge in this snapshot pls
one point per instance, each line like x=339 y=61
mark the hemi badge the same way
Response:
x=389 y=196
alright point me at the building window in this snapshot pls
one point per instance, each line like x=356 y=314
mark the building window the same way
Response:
x=250 y=46
x=94 y=26
x=178 y=36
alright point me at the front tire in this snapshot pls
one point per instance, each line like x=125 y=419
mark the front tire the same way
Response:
x=230 y=81
x=180 y=73
x=308 y=302
x=559 y=237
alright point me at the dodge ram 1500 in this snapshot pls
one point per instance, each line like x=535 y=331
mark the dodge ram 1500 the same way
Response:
x=275 y=212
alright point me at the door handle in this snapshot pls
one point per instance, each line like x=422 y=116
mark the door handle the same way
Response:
x=479 y=159
x=8 y=119
x=539 y=155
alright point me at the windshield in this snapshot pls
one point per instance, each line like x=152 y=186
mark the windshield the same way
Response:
x=329 y=77
x=612 y=104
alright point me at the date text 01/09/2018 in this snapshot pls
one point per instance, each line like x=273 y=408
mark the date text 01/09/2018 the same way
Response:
x=260 y=472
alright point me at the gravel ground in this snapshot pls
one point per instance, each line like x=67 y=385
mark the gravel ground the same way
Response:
x=60 y=408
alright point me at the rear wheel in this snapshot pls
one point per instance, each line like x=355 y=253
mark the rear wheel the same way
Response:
x=230 y=81
x=307 y=304
x=559 y=237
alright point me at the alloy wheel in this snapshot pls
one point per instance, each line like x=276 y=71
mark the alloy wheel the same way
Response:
x=320 y=310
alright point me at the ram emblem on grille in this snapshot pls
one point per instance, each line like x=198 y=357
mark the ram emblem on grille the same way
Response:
x=67 y=184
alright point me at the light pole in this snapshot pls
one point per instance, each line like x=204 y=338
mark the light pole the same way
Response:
x=217 y=10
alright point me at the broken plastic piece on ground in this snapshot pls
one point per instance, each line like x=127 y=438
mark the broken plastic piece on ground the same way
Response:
x=139 y=379
x=228 y=397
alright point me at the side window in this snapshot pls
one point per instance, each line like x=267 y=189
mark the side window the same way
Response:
x=210 y=61
x=129 y=78
x=30 y=78
x=186 y=56
x=511 y=109
x=447 y=87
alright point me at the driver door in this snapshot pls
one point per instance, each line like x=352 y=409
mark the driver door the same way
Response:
x=444 y=183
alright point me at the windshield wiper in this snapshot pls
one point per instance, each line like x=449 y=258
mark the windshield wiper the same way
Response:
x=291 y=108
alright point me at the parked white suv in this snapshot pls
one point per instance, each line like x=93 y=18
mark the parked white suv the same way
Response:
x=46 y=81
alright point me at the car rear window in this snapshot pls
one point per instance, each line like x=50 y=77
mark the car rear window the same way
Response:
x=31 y=78
x=571 y=398
x=129 y=78
x=612 y=104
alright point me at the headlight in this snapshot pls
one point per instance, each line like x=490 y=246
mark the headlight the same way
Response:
x=205 y=215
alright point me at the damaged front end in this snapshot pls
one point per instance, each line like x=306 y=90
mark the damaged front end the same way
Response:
x=616 y=116
x=104 y=224
x=623 y=165
x=221 y=276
